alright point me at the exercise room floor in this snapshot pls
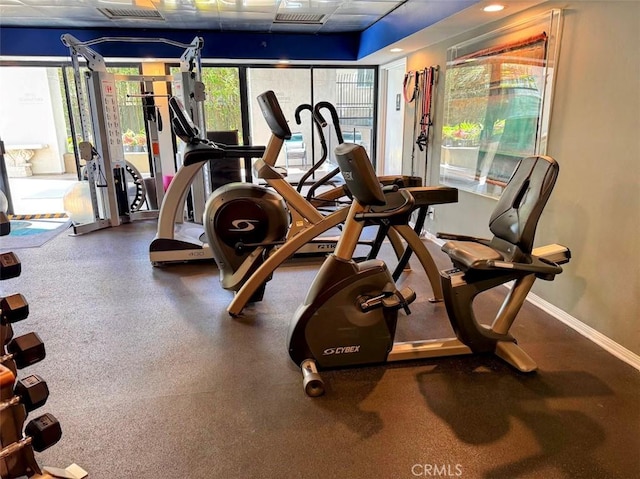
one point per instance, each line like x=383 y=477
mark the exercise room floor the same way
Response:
x=150 y=378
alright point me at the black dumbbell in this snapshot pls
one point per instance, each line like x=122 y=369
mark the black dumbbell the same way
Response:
x=13 y=308
x=5 y=224
x=32 y=392
x=10 y=266
x=40 y=433
x=24 y=350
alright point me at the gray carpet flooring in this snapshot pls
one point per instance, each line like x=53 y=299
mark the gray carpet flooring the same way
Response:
x=150 y=378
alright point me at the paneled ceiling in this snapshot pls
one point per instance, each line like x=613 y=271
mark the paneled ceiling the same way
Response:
x=300 y=16
x=379 y=24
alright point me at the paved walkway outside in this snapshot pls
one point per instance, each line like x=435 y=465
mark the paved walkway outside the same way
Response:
x=40 y=194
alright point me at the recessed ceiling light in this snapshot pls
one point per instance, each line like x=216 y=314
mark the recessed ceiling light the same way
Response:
x=493 y=8
x=284 y=62
x=395 y=50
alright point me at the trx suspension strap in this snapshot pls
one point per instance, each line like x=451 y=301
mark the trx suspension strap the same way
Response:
x=412 y=83
x=427 y=94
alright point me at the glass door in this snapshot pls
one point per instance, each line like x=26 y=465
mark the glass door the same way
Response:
x=35 y=128
x=292 y=87
x=352 y=92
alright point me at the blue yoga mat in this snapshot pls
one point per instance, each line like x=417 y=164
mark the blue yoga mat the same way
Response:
x=32 y=233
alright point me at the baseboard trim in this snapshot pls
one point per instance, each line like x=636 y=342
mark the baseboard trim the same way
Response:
x=606 y=343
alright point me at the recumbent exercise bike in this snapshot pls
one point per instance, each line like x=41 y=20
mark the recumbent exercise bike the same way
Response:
x=350 y=312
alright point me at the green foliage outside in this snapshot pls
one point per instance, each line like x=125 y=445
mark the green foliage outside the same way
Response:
x=466 y=108
x=477 y=110
x=222 y=105
x=462 y=134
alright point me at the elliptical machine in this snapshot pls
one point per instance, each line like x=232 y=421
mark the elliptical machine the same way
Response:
x=242 y=221
x=349 y=316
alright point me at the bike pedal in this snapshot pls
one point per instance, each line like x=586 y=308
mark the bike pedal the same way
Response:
x=400 y=299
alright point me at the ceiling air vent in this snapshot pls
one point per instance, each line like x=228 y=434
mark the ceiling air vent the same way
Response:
x=304 y=18
x=131 y=13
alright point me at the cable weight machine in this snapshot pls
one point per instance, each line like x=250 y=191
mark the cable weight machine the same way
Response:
x=102 y=148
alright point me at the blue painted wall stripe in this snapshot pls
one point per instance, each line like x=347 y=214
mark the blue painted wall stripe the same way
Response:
x=15 y=41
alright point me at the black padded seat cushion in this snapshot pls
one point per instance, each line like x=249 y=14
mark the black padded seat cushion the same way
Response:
x=470 y=254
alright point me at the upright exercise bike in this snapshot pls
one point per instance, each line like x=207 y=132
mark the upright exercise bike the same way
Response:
x=350 y=313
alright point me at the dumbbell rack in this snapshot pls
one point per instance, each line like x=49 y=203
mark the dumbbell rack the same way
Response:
x=21 y=463
x=19 y=460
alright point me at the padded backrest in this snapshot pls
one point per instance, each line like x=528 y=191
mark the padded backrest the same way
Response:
x=516 y=215
x=225 y=137
x=183 y=126
x=273 y=115
x=358 y=174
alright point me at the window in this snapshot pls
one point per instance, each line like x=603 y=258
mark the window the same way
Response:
x=222 y=110
x=351 y=91
x=497 y=103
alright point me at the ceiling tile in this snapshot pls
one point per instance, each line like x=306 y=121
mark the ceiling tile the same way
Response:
x=367 y=7
x=248 y=5
x=296 y=28
x=338 y=16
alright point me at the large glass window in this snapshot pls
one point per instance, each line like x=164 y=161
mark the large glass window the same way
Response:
x=222 y=108
x=292 y=87
x=497 y=101
x=352 y=93
x=48 y=93
x=349 y=91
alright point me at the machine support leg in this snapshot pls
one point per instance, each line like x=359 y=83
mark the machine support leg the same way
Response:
x=415 y=244
x=312 y=382
x=512 y=304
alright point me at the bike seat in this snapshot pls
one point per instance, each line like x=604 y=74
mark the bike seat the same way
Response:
x=513 y=221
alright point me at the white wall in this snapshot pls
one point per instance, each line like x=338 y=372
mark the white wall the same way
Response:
x=595 y=137
x=391 y=157
x=31 y=108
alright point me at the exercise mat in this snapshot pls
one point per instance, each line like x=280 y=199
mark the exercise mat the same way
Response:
x=32 y=232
